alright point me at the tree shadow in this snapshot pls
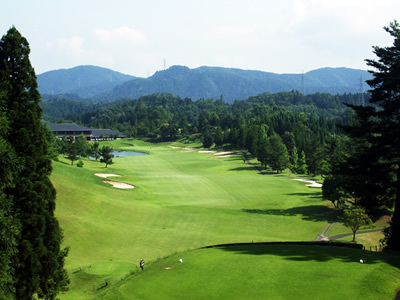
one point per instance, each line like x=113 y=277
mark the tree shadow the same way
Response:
x=316 y=213
x=314 y=195
x=321 y=252
x=246 y=168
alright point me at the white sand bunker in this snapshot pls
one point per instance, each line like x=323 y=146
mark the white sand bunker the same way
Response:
x=174 y=147
x=312 y=183
x=119 y=185
x=104 y=175
x=207 y=151
x=224 y=153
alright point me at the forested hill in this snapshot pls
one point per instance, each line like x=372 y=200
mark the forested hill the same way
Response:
x=234 y=84
x=82 y=81
x=201 y=83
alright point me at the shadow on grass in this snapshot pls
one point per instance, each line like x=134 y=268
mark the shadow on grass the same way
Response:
x=322 y=252
x=314 y=195
x=314 y=213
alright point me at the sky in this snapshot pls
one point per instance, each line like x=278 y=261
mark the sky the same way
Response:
x=140 y=37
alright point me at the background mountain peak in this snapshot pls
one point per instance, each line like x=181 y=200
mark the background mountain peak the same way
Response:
x=204 y=82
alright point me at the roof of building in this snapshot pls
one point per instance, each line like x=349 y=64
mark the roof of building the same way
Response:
x=66 y=127
x=106 y=132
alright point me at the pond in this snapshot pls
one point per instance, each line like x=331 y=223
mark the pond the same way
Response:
x=122 y=153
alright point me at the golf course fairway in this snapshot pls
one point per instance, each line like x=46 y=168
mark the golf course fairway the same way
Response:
x=184 y=200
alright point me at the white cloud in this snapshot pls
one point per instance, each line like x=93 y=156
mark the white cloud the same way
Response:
x=73 y=44
x=121 y=33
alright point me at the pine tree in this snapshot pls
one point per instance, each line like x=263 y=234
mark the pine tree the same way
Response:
x=106 y=155
x=386 y=143
x=9 y=165
x=294 y=160
x=278 y=157
x=302 y=165
x=39 y=262
x=372 y=173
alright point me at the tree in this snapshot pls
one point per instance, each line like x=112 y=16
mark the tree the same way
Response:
x=39 y=261
x=354 y=218
x=106 y=155
x=52 y=143
x=9 y=165
x=302 y=165
x=278 y=157
x=386 y=94
x=71 y=149
x=82 y=146
x=94 y=150
x=373 y=170
x=294 y=160
x=208 y=140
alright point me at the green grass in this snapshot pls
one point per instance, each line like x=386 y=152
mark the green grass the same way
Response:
x=182 y=200
x=266 y=272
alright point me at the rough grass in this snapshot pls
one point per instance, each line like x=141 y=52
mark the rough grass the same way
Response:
x=183 y=200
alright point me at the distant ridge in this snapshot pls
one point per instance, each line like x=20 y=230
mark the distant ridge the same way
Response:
x=83 y=81
x=203 y=82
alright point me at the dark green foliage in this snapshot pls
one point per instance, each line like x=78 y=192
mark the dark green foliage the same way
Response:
x=106 y=155
x=9 y=166
x=372 y=172
x=278 y=157
x=53 y=146
x=70 y=149
x=208 y=140
x=94 y=150
x=39 y=260
x=302 y=164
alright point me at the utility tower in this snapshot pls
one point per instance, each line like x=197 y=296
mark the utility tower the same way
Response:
x=303 y=90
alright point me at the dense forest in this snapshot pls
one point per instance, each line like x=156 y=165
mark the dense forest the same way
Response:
x=293 y=126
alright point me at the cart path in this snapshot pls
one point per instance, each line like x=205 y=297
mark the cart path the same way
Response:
x=339 y=236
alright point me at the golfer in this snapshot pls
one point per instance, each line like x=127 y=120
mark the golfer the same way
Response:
x=142 y=264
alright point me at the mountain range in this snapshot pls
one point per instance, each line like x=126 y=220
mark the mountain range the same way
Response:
x=101 y=84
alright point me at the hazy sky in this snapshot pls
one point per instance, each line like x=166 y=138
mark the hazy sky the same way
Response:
x=138 y=37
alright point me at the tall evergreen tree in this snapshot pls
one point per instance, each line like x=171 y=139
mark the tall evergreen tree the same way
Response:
x=9 y=165
x=372 y=173
x=386 y=95
x=39 y=262
x=278 y=157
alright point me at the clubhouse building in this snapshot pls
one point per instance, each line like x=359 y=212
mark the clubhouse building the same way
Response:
x=71 y=129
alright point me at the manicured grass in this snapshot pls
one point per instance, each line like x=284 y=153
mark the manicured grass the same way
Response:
x=182 y=200
x=265 y=272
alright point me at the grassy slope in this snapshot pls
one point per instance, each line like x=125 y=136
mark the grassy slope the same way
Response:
x=182 y=200
x=262 y=272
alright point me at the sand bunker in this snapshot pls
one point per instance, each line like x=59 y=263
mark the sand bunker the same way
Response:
x=119 y=185
x=174 y=147
x=207 y=151
x=104 y=175
x=224 y=153
x=312 y=183
x=220 y=156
